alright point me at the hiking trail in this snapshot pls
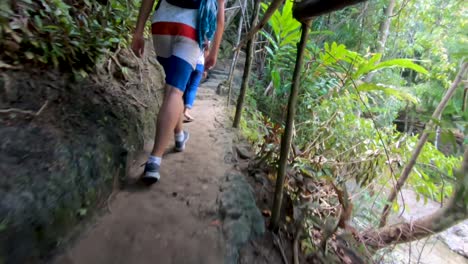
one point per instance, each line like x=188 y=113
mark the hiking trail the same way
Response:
x=176 y=220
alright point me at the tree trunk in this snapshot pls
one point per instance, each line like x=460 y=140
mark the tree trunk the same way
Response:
x=247 y=68
x=363 y=14
x=288 y=131
x=455 y=211
x=465 y=99
x=437 y=135
x=422 y=140
x=384 y=30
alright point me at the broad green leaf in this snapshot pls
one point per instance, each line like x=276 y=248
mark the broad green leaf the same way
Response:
x=82 y=212
x=369 y=87
x=322 y=32
x=275 y=76
x=29 y=55
x=270 y=51
x=270 y=39
x=376 y=58
x=292 y=38
x=3 y=225
x=402 y=63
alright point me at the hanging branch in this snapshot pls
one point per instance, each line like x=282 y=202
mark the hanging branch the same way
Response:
x=231 y=13
x=268 y=13
x=384 y=29
x=422 y=140
x=247 y=68
x=244 y=10
x=288 y=131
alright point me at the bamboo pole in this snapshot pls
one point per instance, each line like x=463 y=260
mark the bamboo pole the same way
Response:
x=287 y=136
x=274 y=5
x=236 y=55
x=247 y=68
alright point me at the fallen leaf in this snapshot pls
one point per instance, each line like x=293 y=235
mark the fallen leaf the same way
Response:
x=266 y=213
x=271 y=177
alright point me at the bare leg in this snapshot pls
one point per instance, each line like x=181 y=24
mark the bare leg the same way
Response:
x=169 y=117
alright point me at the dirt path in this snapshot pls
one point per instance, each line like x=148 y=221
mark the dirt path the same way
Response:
x=174 y=221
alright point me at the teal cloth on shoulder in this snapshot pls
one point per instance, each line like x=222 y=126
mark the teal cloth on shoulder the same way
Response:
x=207 y=21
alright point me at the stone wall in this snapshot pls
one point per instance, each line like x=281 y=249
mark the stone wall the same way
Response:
x=64 y=140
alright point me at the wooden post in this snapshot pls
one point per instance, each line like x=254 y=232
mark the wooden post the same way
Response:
x=307 y=9
x=288 y=131
x=247 y=68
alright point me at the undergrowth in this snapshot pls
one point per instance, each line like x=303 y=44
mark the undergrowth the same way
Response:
x=68 y=35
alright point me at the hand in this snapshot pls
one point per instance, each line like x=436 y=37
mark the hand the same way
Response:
x=138 y=45
x=210 y=60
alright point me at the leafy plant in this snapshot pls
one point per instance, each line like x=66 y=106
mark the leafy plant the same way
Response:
x=335 y=101
x=63 y=34
x=355 y=66
x=344 y=131
x=285 y=29
x=282 y=39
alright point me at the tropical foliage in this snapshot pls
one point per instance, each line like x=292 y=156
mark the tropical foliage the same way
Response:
x=352 y=99
x=336 y=98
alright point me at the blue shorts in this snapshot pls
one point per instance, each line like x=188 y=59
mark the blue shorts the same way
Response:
x=175 y=42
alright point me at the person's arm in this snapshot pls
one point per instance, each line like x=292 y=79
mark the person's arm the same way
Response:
x=213 y=55
x=138 y=42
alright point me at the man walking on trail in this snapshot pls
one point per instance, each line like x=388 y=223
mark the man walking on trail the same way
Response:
x=179 y=28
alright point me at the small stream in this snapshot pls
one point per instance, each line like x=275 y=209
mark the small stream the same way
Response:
x=448 y=247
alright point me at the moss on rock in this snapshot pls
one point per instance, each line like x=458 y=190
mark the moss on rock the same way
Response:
x=56 y=167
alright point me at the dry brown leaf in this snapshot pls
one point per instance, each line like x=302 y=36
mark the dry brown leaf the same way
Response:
x=266 y=213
